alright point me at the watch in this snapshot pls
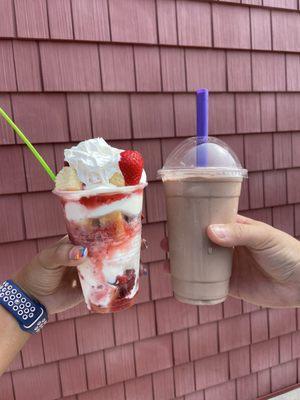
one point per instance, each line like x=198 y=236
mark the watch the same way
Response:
x=30 y=314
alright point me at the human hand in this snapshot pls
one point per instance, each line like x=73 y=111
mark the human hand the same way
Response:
x=51 y=278
x=266 y=262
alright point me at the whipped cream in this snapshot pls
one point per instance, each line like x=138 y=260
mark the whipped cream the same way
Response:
x=95 y=162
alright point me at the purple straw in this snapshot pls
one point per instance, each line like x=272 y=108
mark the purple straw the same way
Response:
x=202 y=125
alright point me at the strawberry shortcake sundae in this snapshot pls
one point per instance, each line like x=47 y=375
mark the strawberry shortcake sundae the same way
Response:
x=101 y=190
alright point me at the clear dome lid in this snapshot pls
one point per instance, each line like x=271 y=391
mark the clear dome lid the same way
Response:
x=202 y=157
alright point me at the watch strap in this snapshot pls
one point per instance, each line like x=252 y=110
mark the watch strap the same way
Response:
x=30 y=314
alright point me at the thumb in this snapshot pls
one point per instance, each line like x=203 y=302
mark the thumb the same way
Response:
x=63 y=253
x=253 y=235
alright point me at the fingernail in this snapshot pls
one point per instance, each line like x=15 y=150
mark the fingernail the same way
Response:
x=78 y=252
x=219 y=230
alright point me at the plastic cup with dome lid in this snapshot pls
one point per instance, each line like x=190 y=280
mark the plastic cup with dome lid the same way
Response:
x=202 y=179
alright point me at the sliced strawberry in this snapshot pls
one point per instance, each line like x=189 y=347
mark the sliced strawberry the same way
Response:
x=131 y=165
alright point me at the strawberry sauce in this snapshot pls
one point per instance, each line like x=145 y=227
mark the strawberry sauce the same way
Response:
x=96 y=201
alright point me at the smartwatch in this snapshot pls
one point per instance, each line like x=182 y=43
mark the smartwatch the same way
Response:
x=30 y=314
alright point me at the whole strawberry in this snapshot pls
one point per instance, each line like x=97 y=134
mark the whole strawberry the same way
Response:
x=131 y=165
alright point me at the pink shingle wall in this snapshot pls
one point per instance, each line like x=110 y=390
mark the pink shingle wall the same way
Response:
x=126 y=70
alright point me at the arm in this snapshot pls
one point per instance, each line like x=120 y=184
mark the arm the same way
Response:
x=49 y=278
x=12 y=339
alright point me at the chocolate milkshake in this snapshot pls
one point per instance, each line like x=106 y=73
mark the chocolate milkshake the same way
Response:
x=197 y=197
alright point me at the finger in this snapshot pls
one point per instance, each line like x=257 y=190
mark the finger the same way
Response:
x=69 y=293
x=244 y=220
x=164 y=244
x=62 y=253
x=254 y=285
x=255 y=236
x=71 y=278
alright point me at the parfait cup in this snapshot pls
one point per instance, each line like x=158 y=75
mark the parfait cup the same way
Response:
x=107 y=222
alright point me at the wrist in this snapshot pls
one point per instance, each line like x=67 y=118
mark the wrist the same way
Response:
x=21 y=279
x=21 y=282
x=29 y=313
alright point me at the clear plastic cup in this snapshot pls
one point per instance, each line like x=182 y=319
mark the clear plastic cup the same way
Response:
x=108 y=223
x=197 y=196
